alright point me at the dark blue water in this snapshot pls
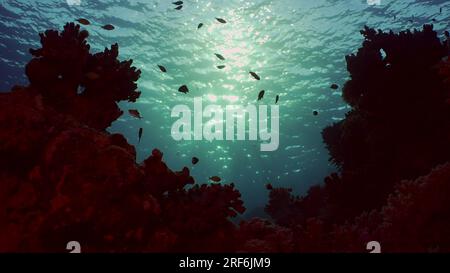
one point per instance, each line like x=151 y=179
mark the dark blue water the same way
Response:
x=298 y=48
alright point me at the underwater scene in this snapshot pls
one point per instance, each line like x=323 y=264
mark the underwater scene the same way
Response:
x=116 y=125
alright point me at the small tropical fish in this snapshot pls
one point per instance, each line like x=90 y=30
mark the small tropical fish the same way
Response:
x=195 y=160
x=440 y=10
x=179 y=7
x=220 y=20
x=220 y=56
x=162 y=68
x=135 y=113
x=254 y=75
x=178 y=3
x=92 y=76
x=220 y=66
x=315 y=113
x=434 y=20
x=108 y=27
x=200 y=26
x=269 y=187
x=334 y=86
x=83 y=21
x=140 y=134
x=261 y=94
x=183 y=89
x=277 y=98
x=215 y=179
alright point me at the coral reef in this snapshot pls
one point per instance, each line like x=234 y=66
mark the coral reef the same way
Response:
x=398 y=130
x=63 y=177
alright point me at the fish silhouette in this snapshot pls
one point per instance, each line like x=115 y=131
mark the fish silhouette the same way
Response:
x=269 y=187
x=108 y=27
x=447 y=34
x=178 y=3
x=277 y=98
x=220 y=20
x=140 y=134
x=195 y=160
x=215 y=179
x=220 y=66
x=254 y=75
x=261 y=94
x=334 y=86
x=183 y=89
x=220 y=56
x=315 y=113
x=135 y=113
x=162 y=68
x=83 y=21
x=200 y=26
x=179 y=7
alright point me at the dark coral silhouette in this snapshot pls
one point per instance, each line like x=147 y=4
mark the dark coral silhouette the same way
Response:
x=398 y=129
x=63 y=177
x=77 y=83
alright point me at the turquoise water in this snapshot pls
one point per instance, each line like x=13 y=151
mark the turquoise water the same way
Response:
x=298 y=48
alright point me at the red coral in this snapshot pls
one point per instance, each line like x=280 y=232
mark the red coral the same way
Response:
x=416 y=217
x=200 y=216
